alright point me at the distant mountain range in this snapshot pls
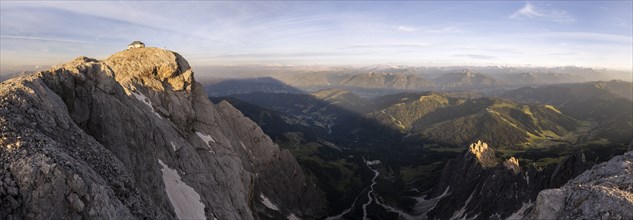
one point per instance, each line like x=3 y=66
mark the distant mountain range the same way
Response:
x=466 y=80
x=242 y=86
x=381 y=80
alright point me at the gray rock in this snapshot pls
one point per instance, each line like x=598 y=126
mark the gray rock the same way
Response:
x=14 y=204
x=548 y=208
x=479 y=186
x=75 y=202
x=12 y=190
x=604 y=192
x=125 y=137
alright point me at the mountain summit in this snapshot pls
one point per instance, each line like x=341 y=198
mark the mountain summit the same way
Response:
x=465 y=79
x=134 y=136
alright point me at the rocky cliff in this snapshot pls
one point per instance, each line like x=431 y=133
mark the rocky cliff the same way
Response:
x=134 y=136
x=480 y=185
x=604 y=192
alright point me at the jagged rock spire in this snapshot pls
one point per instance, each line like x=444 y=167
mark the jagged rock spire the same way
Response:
x=484 y=154
x=512 y=164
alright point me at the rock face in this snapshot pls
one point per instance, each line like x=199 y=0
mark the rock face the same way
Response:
x=484 y=154
x=604 y=192
x=480 y=185
x=134 y=136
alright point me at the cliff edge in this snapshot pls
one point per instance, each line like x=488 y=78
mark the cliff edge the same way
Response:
x=135 y=136
x=603 y=192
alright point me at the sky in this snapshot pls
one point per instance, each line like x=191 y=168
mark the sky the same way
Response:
x=422 y=33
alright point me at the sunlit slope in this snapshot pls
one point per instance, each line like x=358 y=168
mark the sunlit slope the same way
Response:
x=444 y=119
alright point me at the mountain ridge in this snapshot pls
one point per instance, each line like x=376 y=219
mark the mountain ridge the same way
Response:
x=477 y=184
x=119 y=132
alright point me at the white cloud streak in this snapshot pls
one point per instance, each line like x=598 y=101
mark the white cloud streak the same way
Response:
x=529 y=11
x=430 y=30
x=46 y=39
x=406 y=28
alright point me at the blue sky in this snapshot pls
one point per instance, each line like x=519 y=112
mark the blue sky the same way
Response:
x=591 y=34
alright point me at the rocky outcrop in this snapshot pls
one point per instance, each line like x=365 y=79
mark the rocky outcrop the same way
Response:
x=479 y=185
x=134 y=136
x=512 y=164
x=485 y=155
x=604 y=192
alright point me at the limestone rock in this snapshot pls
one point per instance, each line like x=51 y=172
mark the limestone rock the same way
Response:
x=478 y=186
x=114 y=139
x=512 y=164
x=155 y=68
x=604 y=192
x=485 y=155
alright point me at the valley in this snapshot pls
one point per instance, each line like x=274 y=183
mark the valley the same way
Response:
x=334 y=133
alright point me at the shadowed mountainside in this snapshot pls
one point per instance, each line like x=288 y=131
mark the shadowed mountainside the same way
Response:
x=135 y=136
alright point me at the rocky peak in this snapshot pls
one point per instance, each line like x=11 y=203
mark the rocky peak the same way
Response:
x=527 y=75
x=483 y=190
x=135 y=137
x=512 y=164
x=469 y=73
x=484 y=154
x=154 y=68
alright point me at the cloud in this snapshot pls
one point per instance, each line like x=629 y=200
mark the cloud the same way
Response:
x=430 y=30
x=584 y=36
x=406 y=28
x=393 y=45
x=476 y=56
x=444 y=30
x=529 y=11
x=45 y=39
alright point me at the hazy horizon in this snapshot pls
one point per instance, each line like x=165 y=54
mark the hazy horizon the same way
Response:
x=537 y=34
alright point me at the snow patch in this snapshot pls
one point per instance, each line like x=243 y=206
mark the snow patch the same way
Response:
x=423 y=206
x=206 y=138
x=173 y=146
x=372 y=162
x=445 y=193
x=269 y=204
x=244 y=147
x=401 y=214
x=292 y=217
x=183 y=198
x=138 y=95
x=461 y=214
